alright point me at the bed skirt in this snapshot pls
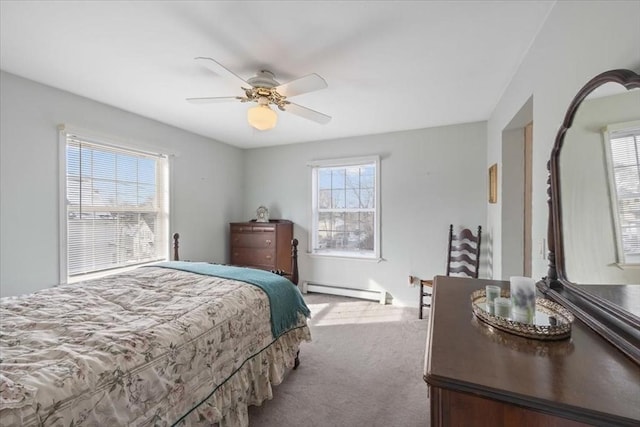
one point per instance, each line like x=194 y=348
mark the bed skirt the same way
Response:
x=250 y=385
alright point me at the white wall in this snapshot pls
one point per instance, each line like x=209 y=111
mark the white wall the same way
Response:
x=430 y=179
x=207 y=179
x=578 y=41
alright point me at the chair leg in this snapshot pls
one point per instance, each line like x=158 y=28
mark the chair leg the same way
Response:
x=421 y=301
x=423 y=294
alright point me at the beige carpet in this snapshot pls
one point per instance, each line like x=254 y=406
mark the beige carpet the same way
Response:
x=363 y=368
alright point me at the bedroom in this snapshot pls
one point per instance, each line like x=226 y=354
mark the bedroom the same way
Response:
x=215 y=183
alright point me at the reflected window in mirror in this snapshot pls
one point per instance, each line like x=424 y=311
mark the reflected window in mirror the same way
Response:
x=622 y=146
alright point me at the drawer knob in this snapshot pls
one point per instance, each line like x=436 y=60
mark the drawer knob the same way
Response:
x=268 y=257
x=268 y=242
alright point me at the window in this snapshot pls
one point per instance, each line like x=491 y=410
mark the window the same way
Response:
x=115 y=207
x=345 y=208
x=624 y=178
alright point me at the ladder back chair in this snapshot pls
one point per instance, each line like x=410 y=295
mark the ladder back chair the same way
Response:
x=463 y=259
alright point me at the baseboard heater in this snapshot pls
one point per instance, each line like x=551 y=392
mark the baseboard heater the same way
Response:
x=370 y=294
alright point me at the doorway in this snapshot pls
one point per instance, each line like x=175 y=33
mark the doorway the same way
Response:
x=528 y=190
x=517 y=144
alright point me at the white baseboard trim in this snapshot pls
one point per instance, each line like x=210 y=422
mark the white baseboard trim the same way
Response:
x=369 y=294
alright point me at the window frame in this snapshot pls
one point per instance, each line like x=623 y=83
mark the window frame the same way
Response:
x=65 y=132
x=314 y=166
x=613 y=131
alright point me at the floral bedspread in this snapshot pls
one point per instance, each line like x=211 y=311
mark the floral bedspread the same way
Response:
x=153 y=346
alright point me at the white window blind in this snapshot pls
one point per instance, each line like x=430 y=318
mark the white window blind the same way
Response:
x=345 y=208
x=117 y=207
x=624 y=148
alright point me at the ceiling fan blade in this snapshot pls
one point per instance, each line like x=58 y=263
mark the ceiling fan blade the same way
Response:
x=220 y=69
x=307 y=113
x=305 y=84
x=212 y=99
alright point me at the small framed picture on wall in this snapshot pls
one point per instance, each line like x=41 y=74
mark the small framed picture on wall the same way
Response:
x=493 y=183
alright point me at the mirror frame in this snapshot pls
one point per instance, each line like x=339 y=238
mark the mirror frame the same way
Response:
x=615 y=324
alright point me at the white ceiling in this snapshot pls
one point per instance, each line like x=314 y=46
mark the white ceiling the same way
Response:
x=390 y=65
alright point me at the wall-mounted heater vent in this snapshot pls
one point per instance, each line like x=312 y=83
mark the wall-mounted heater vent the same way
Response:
x=370 y=294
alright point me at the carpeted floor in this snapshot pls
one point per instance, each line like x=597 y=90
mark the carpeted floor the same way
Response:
x=363 y=368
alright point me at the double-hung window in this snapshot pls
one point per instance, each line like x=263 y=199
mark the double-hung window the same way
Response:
x=623 y=149
x=345 y=207
x=115 y=207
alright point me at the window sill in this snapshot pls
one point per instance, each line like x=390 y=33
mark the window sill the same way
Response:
x=345 y=257
x=623 y=266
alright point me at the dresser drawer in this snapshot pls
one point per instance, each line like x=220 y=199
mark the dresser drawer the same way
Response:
x=252 y=228
x=253 y=240
x=262 y=258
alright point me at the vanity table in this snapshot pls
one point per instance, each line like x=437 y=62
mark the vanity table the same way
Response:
x=478 y=375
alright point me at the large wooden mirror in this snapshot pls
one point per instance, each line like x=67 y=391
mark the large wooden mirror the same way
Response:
x=594 y=210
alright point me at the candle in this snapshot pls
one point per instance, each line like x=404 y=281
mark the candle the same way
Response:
x=502 y=307
x=523 y=298
x=492 y=292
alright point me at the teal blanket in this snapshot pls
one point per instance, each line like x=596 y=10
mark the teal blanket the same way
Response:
x=284 y=297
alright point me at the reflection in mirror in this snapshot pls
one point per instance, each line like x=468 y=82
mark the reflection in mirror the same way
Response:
x=592 y=241
x=596 y=235
x=525 y=345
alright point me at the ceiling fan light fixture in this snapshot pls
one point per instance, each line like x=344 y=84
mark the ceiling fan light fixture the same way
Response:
x=262 y=117
x=266 y=91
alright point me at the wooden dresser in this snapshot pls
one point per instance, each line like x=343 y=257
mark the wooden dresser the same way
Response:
x=479 y=376
x=264 y=245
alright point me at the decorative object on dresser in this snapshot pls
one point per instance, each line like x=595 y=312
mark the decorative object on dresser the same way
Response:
x=262 y=214
x=551 y=321
x=264 y=245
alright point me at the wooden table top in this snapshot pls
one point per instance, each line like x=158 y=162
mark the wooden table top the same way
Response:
x=583 y=378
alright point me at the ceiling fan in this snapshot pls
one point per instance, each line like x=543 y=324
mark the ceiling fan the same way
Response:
x=265 y=90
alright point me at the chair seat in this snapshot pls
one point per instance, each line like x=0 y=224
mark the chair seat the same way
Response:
x=428 y=283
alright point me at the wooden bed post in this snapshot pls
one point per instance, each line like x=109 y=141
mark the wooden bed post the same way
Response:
x=294 y=261
x=176 y=257
x=294 y=279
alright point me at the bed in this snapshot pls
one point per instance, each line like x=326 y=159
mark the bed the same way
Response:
x=175 y=343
